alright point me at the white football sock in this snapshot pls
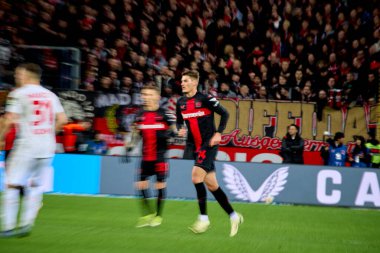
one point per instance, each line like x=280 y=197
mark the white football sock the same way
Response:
x=11 y=203
x=234 y=216
x=31 y=204
x=203 y=217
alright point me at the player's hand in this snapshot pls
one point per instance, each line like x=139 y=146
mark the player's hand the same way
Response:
x=85 y=124
x=215 y=140
x=125 y=158
x=2 y=145
x=182 y=132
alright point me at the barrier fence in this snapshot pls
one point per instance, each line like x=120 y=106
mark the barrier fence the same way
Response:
x=247 y=182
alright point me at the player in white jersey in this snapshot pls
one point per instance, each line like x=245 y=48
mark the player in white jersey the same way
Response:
x=38 y=114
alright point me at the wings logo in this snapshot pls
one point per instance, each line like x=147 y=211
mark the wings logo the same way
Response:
x=239 y=186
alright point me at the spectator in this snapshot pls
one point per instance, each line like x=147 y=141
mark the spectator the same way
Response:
x=97 y=146
x=72 y=137
x=321 y=103
x=374 y=150
x=225 y=91
x=313 y=41
x=244 y=92
x=292 y=146
x=263 y=94
x=359 y=156
x=335 y=154
x=306 y=94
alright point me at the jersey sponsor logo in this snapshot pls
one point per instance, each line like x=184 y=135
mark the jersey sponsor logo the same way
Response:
x=239 y=186
x=158 y=126
x=42 y=131
x=193 y=115
x=39 y=95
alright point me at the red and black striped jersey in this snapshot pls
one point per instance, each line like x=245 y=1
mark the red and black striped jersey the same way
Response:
x=154 y=127
x=198 y=114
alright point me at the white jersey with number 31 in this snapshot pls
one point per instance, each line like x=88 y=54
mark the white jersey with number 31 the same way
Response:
x=36 y=108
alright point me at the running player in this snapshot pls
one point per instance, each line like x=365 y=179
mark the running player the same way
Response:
x=154 y=125
x=38 y=114
x=197 y=111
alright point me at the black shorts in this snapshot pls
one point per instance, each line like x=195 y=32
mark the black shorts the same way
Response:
x=205 y=158
x=150 y=168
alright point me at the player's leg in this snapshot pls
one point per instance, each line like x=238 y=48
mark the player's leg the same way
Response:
x=33 y=194
x=221 y=197
x=161 y=195
x=161 y=171
x=17 y=173
x=198 y=176
x=143 y=187
x=146 y=170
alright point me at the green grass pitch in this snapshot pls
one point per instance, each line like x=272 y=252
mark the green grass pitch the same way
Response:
x=74 y=224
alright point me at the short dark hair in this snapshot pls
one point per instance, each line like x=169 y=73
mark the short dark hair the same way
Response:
x=338 y=135
x=33 y=68
x=193 y=74
x=151 y=86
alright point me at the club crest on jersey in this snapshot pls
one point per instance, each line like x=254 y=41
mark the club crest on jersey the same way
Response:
x=198 y=104
x=183 y=107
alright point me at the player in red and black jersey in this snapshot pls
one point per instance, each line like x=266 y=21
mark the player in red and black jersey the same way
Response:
x=154 y=126
x=197 y=110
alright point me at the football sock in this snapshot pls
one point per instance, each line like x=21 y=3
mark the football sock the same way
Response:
x=31 y=204
x=145 y=201
x=201 y=195
x=234 y=216
x=161 y=194
x=11 y=203
x=222 y=199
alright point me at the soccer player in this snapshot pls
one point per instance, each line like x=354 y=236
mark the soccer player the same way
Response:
x=38 y=114
x=155 y=126
x=197 y=111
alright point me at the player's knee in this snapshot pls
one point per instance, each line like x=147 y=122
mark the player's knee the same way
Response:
x=160 y=185
x=212 y=186
x=196 y=179
x=142 y=185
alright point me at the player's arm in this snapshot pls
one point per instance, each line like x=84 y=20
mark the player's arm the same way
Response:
x=170 y=119
x=214 y=105
x=60 y=115
x=12 y=111
x=6 y=123
x=60 y=121
x=180 y=122
x=133 y=139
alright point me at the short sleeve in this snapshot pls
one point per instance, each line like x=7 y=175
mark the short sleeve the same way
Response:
x=13 y=104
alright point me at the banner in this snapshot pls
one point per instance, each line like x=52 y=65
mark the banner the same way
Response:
x=253 y=133
x=78 y=104
x=257 y=182
x=114 y=113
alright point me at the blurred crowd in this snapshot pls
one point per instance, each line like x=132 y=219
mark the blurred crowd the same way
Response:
x=313 y=51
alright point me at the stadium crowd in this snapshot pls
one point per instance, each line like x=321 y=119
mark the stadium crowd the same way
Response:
x=323 y=51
